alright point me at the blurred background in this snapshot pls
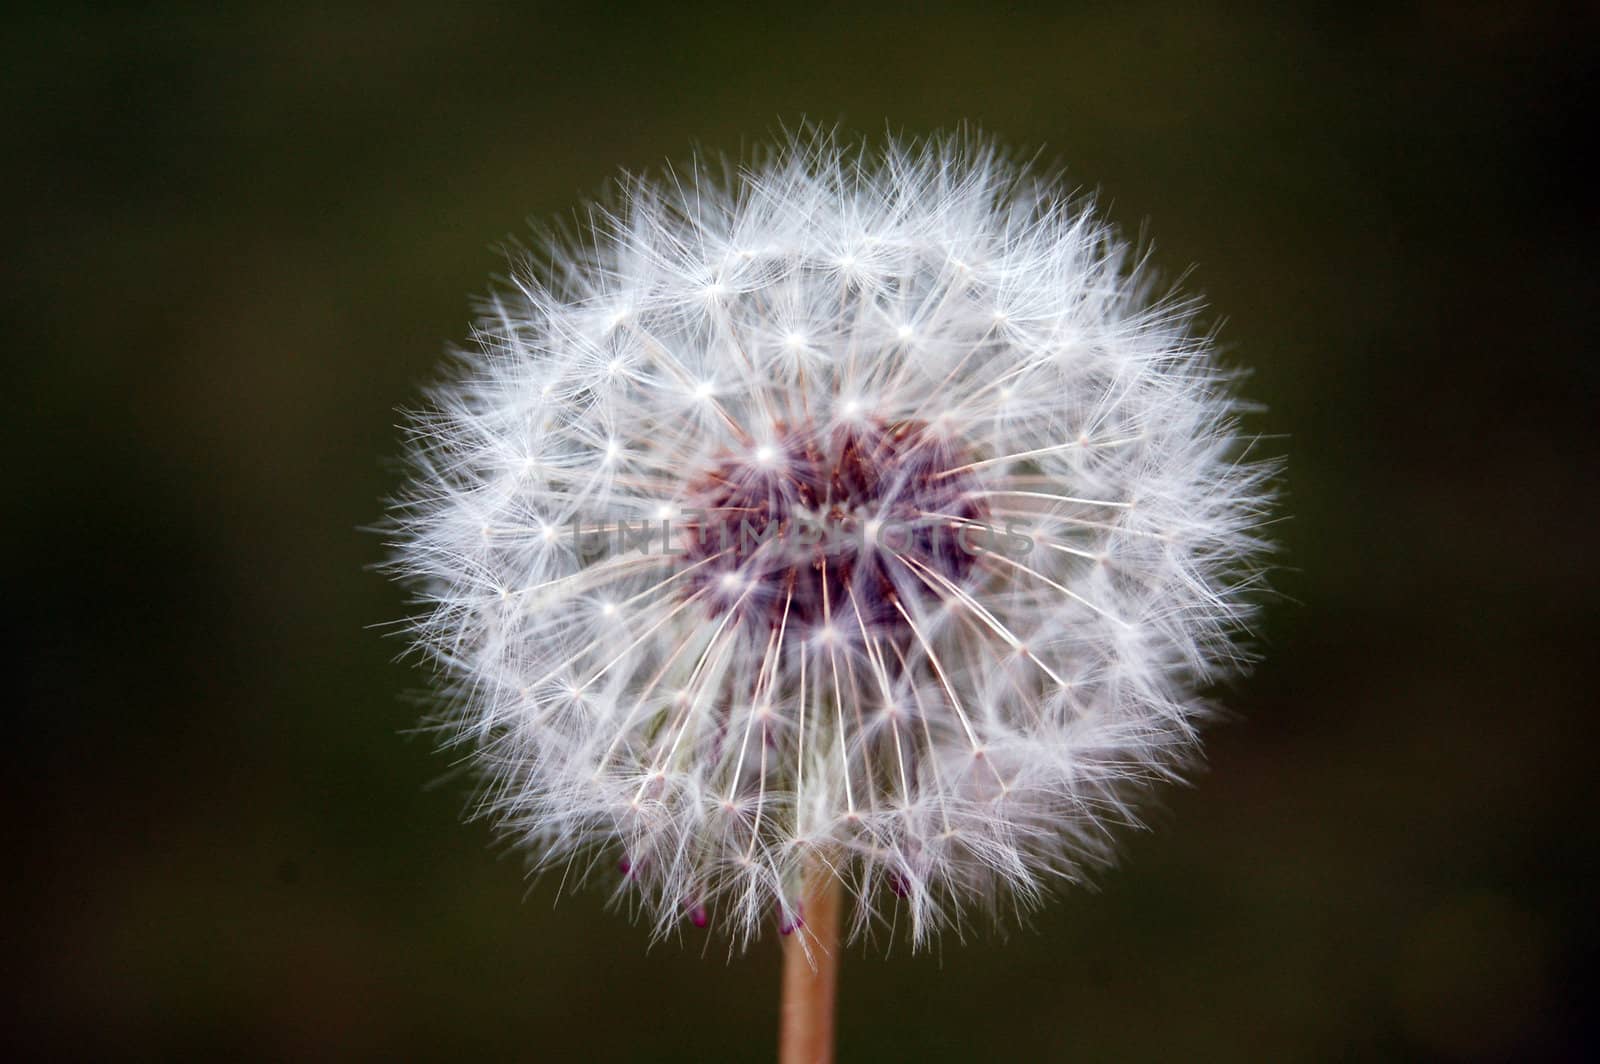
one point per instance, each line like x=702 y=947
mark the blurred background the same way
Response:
x=238 y=240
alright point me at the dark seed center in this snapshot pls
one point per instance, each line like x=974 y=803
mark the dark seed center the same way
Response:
x=832 y=529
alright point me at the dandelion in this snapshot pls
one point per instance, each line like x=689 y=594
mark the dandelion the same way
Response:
x=850 y=532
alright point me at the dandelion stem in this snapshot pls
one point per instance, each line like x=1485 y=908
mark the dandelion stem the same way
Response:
x=811 y=974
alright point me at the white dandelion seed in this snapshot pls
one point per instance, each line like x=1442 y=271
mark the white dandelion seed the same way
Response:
x=948 y=523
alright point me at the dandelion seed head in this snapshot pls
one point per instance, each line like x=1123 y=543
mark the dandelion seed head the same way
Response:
x=948 y=525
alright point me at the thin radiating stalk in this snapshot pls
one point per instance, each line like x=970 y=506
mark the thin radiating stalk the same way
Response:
x=811 y=980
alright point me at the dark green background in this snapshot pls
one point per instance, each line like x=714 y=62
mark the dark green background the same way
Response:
x=238 y=241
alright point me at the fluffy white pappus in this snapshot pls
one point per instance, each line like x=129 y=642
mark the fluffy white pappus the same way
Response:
x=858 y=510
